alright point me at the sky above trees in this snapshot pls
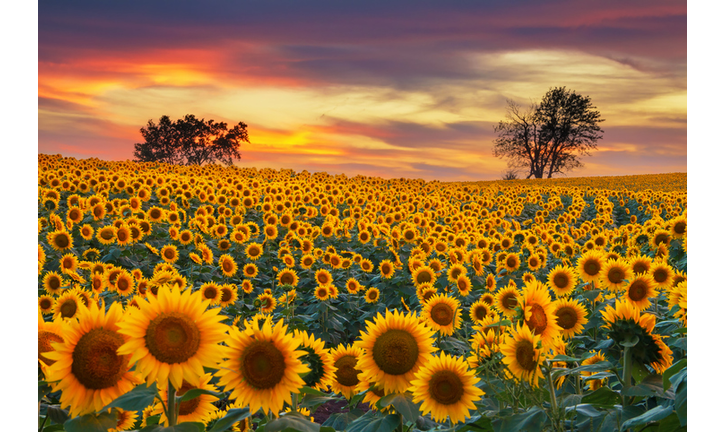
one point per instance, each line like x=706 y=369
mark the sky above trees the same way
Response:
x=411 y=89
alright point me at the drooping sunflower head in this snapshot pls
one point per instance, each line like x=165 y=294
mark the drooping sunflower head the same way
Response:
x=446 y=388
x=396 y=346
x=442 y=313
x=597 y=357
x=562 y=280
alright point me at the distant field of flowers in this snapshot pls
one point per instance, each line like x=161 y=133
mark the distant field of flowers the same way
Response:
x=187 y=298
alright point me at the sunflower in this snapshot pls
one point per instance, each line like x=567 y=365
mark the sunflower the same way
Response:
x=68 y=305
x=662 y=274
x=247 y=286
x=483 y=345
x=353 y=286
x=663 y=358
x=263 y=368
x=86 y=231
x=488 y=299
x=455 y=271
x=490 y=283
x=679 y=297
x=589 y=265
x=396 y=346
x=640 y=264
x=267 y=303
x=49 y=333
x=538 y=312
x=46 y=304
x=522 y=355
x=53 y=283
x=562 y=280
x=511 y=262
x=372 y=295
x=169 y=254
x=210 y=291
x=442 y=313
x=106 y=235
x=570 y=316
x=229 y=295
x=254 y=251
x=198 y=409
x=479 y=310
x=678 y=227
x=123 y=235
x=322 y=292
x=598 y=356
x=227 y=265
x=206 y=254
x=90 y=371
x=639 y=289
x=446 y=387
x=346 y=378
x=124 y=420
x=506 y=300
x=463 y=285
x=288 y=277
x=423 y=275
x=173 y=336
x=366 y=265
x=60 y=240
x=615 y=274
x=387 y=269
x=318 y=359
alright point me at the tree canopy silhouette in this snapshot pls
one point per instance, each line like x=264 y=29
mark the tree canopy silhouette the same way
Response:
x=548 y=138
x=190 y=141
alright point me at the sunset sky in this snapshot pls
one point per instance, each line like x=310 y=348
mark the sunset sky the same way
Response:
x=408 y=89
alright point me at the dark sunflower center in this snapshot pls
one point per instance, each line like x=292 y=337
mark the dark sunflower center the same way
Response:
x=538 y=320
x=44 y=340
x=372 y=295
x=640 y=267
x=566 y=317
x=395 y=352
x=480 y=312
x=54 y=283
x=592 y=268
x=455 y=273
x=106 y=234
x=169 y=253
x=227 y=266
x=172 y=337
x=210 y=293
x=346 y=373
x=95 y=362
x=510 y=301
x=62 y=241
x=446 y=387
x=427 y=295
x=615 y=275
x=525 y=355
x=122 y=235
x=262 y=365
x=189 y=406
x=424 y=277
x=122 y=284
x=286 y=279
x=442 y=314
x=680 y=228
x=660 y=275
x=661 y=238
x=225 y=295
x=45 y=303
x=638 y=291
x=511 y=262
x=322 y=292
x=68 y=309
x=323 y=279
x=560 y=280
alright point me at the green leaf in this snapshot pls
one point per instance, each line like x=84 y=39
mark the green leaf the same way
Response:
x=651 y=415
x=232 y=416
x=603 y=397
x=652 y=385
x=58 y=415
x=196 y=392
x=340 y=421
x=529 y=421
x=373 y=422
x=292 y=421
x=135 y=400
x=671 y=424
x=680 y=401
x=477 y=424
x=403 y=404
x=43 y=389
x=92 y=423
x=314 y=401
x=565 y=358
x=311 y=391
x=668 y=373
x=591 y=294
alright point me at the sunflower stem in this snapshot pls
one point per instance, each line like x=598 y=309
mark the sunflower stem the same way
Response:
x=294 y=402
x=552 y=391
x=171 y=405
x=627 y=369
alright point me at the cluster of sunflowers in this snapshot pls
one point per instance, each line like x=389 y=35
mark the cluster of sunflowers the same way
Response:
x=242 y=297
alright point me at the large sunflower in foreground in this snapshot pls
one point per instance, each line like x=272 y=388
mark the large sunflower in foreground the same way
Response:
x=442 y=313
x=263 y=367
x=522 y=355
x=173 y=336
x=396 y=346
x=48 y=333
x=639 y=289
x=446 y=387
x=346 y=377
x=90 y=371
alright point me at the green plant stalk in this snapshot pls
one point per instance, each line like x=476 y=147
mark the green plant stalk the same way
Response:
x=171 y=405
x=294 y=402
x=627 y=370
x=552 y=391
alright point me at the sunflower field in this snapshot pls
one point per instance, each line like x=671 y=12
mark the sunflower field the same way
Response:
x=208 y=298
